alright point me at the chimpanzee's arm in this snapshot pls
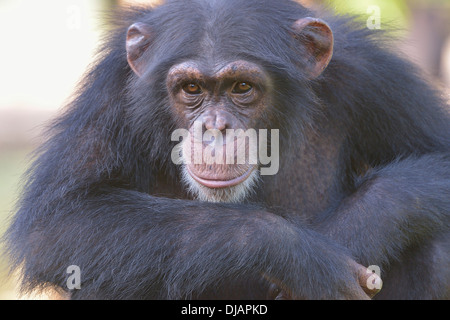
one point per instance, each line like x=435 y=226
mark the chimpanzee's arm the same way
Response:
x=394 y=208
x=132 y=245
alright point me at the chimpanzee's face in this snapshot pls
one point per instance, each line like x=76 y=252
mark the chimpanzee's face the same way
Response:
x=220 y=107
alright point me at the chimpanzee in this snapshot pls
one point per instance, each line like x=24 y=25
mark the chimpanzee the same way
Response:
x=362 y=179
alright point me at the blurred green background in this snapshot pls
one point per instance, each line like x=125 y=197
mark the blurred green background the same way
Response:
x=47 y=45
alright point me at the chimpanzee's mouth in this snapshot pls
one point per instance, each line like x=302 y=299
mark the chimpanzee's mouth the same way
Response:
x=221 y=183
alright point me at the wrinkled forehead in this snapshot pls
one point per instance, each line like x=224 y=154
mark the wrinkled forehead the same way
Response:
x=233 y=70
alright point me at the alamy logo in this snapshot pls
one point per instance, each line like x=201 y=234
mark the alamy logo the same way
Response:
x=238 y=147
x=74 y=280
x=374 y=280
x=374 y=20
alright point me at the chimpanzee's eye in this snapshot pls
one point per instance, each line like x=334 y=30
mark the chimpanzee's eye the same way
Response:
x=242 y=87
x=192 y=88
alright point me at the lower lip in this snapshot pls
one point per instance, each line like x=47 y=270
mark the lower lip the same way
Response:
x=221 y=183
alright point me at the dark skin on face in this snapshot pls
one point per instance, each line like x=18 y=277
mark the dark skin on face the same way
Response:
x=227 y=98
x=239 y=86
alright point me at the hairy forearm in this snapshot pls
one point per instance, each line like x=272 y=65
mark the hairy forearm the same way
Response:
x=104 y=235
x=183 y=247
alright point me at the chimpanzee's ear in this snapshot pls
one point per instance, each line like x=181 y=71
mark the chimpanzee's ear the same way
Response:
x=139 y=37
x=317 y=37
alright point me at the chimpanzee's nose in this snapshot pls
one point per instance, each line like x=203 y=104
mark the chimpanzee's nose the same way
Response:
x=218 y=120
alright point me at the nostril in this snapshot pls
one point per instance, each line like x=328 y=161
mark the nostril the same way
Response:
x=221 y=124
x=218 y=120
x=209 y=122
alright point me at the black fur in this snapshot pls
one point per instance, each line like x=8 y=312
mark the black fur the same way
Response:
x=365 y=171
